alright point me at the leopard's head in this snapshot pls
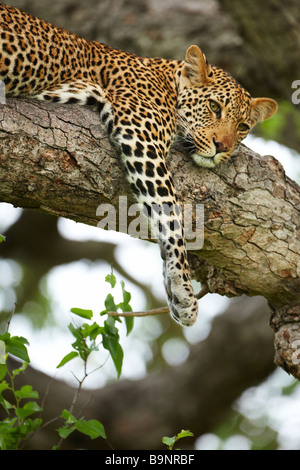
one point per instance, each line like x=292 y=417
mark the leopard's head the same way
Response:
x=214 y=112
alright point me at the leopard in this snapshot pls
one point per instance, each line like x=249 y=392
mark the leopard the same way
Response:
x=145 y=104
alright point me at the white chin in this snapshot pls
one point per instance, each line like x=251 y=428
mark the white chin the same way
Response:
x=207 y=162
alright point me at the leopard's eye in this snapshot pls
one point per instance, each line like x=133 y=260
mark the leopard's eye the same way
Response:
x=243 y=127
x=214 y=106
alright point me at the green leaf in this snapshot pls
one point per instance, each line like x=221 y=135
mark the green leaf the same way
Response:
x=5 y=337
x=82 y=313
x=91 y=331
x=69 y=426
x=75 y=332
x=32 y=425
x=111 y=343
x=3 y=386
x=184 y=433
x=125 y=307
x=111 y=279
x=16 y=346
x=67 y=416
x=110 y=303
x=26 y=392
x=65 y=431
x=169 y=441
x=93 y=428
x=28 y=409
x=95 y=331
x=129 y=321
x=2 y=238
x=67 y=358
x=109 y=326
x=6 y=405
x=3 y=370
x=126 y=295
x=7 y=439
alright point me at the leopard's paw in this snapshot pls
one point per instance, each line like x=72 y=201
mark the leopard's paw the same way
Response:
x=181 y=299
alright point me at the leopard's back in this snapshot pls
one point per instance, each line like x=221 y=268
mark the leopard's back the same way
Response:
x=35 y=55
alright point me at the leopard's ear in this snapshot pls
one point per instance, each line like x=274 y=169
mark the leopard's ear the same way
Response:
x=261 y=109
x=196 y=70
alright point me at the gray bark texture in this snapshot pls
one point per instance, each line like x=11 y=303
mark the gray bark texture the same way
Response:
x=57 y=159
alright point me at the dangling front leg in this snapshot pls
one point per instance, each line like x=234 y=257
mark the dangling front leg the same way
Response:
x=182 y=302
x=143 y=154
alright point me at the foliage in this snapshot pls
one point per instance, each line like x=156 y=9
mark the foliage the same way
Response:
x=20 y=404
x=19 y=424
x=171 y=441
x=93 y=428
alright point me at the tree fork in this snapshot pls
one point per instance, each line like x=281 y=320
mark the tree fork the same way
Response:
x=57 y=159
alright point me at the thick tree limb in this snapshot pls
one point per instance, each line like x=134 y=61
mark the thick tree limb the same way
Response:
x=58 y=160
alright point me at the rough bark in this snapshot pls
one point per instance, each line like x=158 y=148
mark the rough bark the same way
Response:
x=58 y=160
x=197 y=394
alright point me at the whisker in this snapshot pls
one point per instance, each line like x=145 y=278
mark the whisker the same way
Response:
x=187 y=145
x=185 y=140
x=184 y=124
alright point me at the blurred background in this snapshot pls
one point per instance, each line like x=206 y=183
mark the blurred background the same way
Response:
x=48 y=266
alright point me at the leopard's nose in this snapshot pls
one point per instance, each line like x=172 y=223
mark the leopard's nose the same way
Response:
x=220 y=147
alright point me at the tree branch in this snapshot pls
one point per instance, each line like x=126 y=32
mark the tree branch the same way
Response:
x=57 y=159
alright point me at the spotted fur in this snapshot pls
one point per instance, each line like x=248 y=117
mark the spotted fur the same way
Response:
x=144 y=103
